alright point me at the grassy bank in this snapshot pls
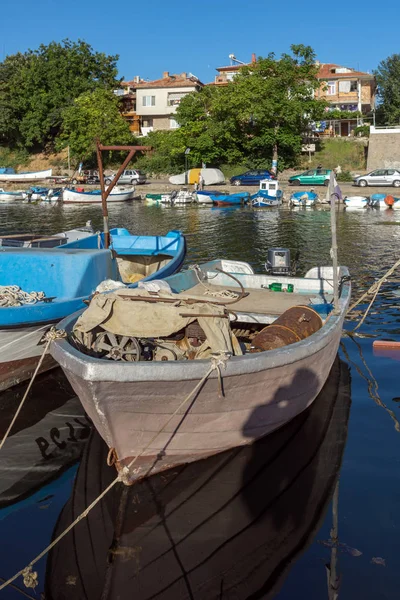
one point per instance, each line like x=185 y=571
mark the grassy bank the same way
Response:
x=349 y=153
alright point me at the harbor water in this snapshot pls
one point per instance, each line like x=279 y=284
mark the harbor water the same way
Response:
x=312 y=511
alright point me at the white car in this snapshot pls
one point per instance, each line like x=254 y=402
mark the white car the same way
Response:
x=379 y=177
x=130 y=176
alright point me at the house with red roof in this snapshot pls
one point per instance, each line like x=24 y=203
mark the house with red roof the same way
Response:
x=153 y=104
x=347 y=90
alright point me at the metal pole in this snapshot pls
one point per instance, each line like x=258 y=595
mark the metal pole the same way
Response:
x=186 y=173
x=103 y=197
x=336 y=309
x=69 y=164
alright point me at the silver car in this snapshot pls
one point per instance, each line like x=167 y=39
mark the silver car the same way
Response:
x=379 y=177
x=131 y=176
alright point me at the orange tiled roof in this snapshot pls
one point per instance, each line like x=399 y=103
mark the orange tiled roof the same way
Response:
x=167 y=82
x=325 y=72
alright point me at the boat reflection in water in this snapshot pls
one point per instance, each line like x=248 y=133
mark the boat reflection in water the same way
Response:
x=225 y=527
x=47 y=438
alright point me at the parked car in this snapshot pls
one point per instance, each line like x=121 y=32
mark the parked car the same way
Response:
x=311 y=177
x=89 y=176
x=252 y=177
x=379 y=177
x=131 y=176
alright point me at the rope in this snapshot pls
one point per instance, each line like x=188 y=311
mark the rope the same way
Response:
x=216 y=293
x=12 y=295
x=217 y=362
x=374 y=289
x=51 y=335
x=22 y=337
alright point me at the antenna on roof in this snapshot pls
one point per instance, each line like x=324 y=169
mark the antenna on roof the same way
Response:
x=235 y=60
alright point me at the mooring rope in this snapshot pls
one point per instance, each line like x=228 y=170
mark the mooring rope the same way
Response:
x=374 y=289
x=12 y=295
x=30 y=577
x=52 y=334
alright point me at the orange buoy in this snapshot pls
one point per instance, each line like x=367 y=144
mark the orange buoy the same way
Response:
x=389 y=200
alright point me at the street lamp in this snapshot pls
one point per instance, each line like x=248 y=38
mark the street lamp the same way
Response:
x=187 y=151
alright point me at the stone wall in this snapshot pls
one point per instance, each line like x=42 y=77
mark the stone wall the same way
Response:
x=384 y=150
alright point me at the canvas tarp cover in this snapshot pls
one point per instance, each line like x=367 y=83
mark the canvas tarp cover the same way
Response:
x=210 y=176
x=141 y=319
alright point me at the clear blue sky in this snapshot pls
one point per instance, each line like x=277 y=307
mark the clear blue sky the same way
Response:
x=176 y=35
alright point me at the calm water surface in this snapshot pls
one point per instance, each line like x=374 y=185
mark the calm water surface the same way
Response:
x=252 y=523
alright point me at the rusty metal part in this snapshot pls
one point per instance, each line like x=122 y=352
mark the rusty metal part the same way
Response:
x=295 y=324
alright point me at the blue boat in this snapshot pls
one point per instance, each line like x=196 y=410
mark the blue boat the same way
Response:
x=303 y=199
x=67 y=276
x=231 y=199
x=205 y=196
x=264 y=200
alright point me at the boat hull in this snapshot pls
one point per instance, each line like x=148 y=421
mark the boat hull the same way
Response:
x=19 y=354
x=73 y=197
x=25 y=177
x=129 y=404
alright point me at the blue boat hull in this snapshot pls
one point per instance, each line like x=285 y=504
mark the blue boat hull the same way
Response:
x=231 y=199
x=68 y=275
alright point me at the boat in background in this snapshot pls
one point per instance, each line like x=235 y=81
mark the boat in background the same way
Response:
x=8 y=174
x=204 y=196
x=266 y=381
x=11 y=196
x=228 y=527
x=67 y=276
x=355 y=202
x=384 y=201
x=236 y=199
x=118 y=194
x=268 y=195
x=303 y=199
x=32 y=240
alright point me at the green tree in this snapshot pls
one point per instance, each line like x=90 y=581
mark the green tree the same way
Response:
x=93 y=115
x=263 y=113
x=388 y=81
x=35 y=87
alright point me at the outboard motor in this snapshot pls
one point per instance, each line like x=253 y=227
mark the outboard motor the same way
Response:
x=278 y=262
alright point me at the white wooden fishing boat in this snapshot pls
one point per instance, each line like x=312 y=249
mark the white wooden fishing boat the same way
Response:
x=11 y=196
x=118 y=194
x=133 y=370
x=228 y=528
x=8 y=174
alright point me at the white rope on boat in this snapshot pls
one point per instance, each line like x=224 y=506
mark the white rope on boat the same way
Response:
x=217 y=362
x=52 y=334
x=213 y=293
x=12 y=295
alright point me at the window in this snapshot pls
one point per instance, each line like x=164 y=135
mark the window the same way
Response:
x=173 y=124
x=353 y=86
x=174 y=98
x=331 y=88
x=149 y=101
x=147 y=122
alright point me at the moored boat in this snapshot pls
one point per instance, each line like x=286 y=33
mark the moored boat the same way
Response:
x=8 y=174
x=62 y=279
x=229 y=527
x=205 y=196
x=118 y=194
x=268 y=195
x=384 y=201
x=355 y=202
x=303 y=198
x=32 y=240
x=166 y=353
x=231 y=199
x=11 y=196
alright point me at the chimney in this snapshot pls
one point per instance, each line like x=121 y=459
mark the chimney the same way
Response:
x=136 y=79
x=253 y=58
x=165 y=74
x=183 y=75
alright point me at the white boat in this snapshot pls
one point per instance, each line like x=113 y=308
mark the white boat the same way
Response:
x=183 y=197
x=131 y=396
x=32 y=240
x=304 y=198
x=8 y=174
x=355 y=202
x=384 y=201
x=118 y=194
x=268 y=195
x=8 y=196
